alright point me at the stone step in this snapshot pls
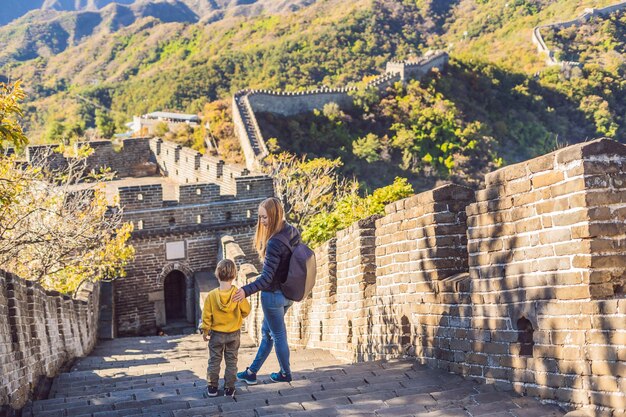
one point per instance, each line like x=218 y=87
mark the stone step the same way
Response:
x=268 y=402
x=164 y=377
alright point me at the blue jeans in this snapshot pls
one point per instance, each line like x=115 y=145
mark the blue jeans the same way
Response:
x=273 y=331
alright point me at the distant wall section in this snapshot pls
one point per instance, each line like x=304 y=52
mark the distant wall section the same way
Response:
x=248 y=102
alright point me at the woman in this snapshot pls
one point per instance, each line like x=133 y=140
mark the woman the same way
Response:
x=276 y=256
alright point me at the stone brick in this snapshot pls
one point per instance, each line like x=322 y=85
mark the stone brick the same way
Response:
x=548 y=178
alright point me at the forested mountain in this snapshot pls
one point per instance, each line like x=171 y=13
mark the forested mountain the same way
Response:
x=200 y=9
x=496 y=103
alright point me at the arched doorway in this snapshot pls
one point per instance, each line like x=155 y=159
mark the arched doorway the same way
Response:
x=175 y=292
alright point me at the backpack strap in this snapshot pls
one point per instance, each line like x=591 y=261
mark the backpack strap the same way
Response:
x=282 y=238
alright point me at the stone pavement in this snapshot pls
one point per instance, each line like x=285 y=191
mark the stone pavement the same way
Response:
x=164 y=377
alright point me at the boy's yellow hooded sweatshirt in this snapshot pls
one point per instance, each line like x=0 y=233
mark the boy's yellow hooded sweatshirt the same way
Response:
x=221 y=314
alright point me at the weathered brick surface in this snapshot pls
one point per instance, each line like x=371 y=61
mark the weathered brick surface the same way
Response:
x=521 y=284
x=39 y=332
x=135 y=310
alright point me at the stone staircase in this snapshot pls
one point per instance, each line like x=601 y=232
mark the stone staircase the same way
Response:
x=247 y=118
x=164 y=377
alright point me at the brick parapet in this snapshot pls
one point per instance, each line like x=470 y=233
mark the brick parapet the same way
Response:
x=127 y=158
x=31 y=343
x=415 y=69
x=520 y=284
x=552 y=220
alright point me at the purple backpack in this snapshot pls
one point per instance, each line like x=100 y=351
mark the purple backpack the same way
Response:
x=302 y=269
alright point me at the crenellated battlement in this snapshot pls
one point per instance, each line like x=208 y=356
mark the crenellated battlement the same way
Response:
x=181 y=177
x=195 y=191
x=417 y=68
x=128 y=158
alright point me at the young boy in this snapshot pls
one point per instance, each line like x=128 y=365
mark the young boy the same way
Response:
x=221 y=319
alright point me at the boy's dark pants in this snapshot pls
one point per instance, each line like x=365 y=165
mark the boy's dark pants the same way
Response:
x=226 y=344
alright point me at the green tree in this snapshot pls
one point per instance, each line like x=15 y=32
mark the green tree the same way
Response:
x=55 y=132
x=306 y=187
x=104 y=124
x=351 y=208
x=367 y=148
x=161 y=129
x=55 y=233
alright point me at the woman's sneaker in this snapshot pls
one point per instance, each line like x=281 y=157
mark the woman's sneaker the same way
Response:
x=229 y=392
x=280 y=377
x=247 y=376
x=212 y=391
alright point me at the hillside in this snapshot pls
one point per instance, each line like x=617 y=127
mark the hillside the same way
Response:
x=57 y=25
x=499 y=31
x=153 y=65
x=125 y=60
x=600 y=41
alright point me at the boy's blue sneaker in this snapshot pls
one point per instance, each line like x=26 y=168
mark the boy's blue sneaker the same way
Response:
x=280 y=377
x=247 y=376
x=212 y=391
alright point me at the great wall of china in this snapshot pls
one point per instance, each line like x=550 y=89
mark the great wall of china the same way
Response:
x=40 y=333
x=247 y=102
x=180 y=203
x=521 y=284
x=542 y=48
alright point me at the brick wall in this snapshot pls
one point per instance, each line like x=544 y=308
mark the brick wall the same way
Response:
x=521 y=284
x=546 y=247
x=125 y=160
x=139 y=294
x=40 y=331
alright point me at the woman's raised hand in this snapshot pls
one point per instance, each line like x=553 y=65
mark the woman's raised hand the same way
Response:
x=239 y=295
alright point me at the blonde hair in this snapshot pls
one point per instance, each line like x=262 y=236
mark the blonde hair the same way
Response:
x=275 y=219
x=226 y=270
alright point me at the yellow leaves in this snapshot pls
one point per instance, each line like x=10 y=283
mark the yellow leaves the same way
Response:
x=56 y=229
x=11 y=134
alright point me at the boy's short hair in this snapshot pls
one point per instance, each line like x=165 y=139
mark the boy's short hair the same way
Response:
x=226 y=270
